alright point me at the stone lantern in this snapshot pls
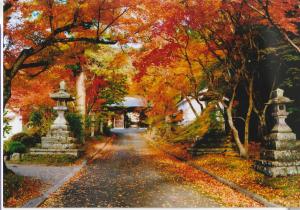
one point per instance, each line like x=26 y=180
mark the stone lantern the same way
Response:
x=280 y=154
x=59 y=139
x=61 y=97
x=281 y=131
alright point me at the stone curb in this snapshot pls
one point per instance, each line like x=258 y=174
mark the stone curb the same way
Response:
x=39 y=200
x=232 y=185
x=36 y=202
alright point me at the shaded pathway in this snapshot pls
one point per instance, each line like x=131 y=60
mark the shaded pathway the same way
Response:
x=127 y=178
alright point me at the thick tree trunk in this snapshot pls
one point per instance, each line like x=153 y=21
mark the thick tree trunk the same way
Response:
x=6 y=97
x=235 y=133
x=81 y=97
x=81 y=94
x=6 y=87
x=242 y=150
x=248 y=116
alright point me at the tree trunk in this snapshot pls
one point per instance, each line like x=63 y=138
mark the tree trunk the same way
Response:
x=243 y=152
x=81 y=94
x=101 y=127
x=200 y=104
x=248 y=116
x=6 y=87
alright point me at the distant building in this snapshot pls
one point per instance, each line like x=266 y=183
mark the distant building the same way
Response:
x=188 y=115
x=129 y=113
x=15 y=121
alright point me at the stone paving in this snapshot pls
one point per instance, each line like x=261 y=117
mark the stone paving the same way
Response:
x=48 y=174
x=127 y=179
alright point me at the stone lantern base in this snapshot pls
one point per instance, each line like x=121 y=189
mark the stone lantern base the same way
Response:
x=58 y=142
x=279 y=158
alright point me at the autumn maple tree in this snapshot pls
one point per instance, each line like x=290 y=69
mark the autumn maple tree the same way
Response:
x=190 y=49
x=36 y=31
x=227 y=53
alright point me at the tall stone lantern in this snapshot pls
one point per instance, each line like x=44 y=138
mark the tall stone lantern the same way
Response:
x=59 y=139
x=61 y=97
x=280 y=154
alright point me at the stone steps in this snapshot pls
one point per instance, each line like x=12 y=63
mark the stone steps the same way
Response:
x=51 y=151
x=64 y=140
x=282 y=145
x=277 y=168
x=280 y=155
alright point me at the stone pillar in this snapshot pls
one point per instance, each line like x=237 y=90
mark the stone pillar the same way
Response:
x=280 y=153
x=93 y=124
x=101 y=126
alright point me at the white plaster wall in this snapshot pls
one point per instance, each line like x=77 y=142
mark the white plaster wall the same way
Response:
x=188 y=114
x=15 y=121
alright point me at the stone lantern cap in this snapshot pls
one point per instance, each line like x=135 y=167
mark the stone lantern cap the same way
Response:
x=62 y=94
x=278 y=97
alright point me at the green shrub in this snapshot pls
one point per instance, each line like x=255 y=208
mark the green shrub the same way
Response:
x=75 y=124
x=6 y=126
x=26 y=139
x=40 y=120
x=37 y=137
x=36 y=118
x=6 y=147
x=16 y=147
x=19 y=136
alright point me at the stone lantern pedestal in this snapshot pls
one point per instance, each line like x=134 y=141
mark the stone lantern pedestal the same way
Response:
x=59 y=139
x=280 y=154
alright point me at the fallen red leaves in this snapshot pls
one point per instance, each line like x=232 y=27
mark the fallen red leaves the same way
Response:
x=282 y=190
x=202 y=182
x=31 y=188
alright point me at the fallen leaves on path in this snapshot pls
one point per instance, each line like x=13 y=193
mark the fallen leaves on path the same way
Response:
x=134 y=174
x=202 y=182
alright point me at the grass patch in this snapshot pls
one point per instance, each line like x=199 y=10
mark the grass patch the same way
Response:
x=46 y=159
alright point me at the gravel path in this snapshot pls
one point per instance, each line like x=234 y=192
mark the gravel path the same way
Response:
x=127 y=179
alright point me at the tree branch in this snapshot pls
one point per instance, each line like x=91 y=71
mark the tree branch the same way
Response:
x=84 y=39
x=39 y=72
x=267 y=16
x=35 y=64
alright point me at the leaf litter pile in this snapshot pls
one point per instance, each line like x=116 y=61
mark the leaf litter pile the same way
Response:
x=29 y=189
x=284 y=191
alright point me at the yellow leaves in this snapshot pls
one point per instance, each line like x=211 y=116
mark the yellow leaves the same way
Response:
x=119 y=60
x=105 y=60
x=283 y=190
x=64 y=47
x=171 y=167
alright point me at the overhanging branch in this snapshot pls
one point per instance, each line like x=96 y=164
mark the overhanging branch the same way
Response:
x=33 y=65
x=84 y=39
